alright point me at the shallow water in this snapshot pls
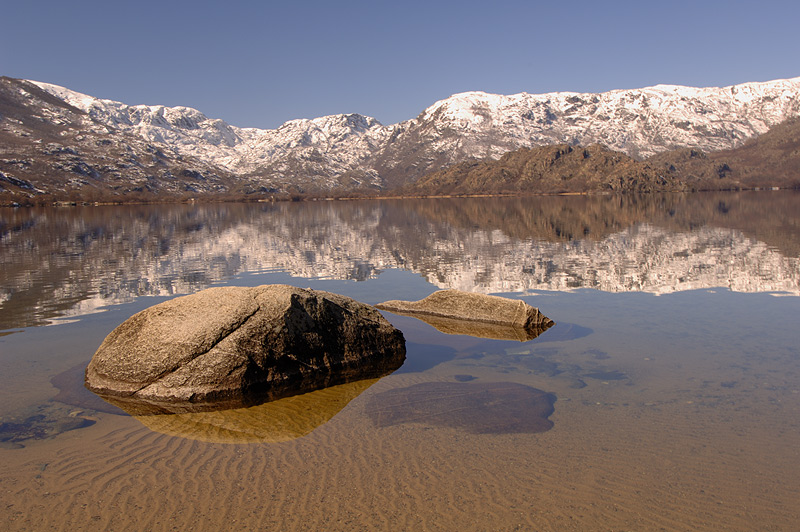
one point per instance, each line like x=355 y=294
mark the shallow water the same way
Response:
x=674 y=364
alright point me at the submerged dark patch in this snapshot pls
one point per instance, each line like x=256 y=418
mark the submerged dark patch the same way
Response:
x=49 y=421
x=606 y=375
x=599 y=355
x=540 y=366
x=480 y=408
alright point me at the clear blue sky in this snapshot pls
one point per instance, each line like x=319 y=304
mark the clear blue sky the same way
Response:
x=260 y=63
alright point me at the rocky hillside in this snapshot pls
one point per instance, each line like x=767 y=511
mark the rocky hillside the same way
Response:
x=638 y=123
x=772 y=159
x=550 y=169
x=300 y=156
x=125 y=150
x=51 y=149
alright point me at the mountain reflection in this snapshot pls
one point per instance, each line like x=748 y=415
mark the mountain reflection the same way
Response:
x=69 y=261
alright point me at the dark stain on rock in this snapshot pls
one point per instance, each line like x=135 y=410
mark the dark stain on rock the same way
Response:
x=479 y=408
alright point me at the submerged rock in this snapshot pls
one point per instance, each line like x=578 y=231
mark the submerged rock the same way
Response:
x=485 y=316
x=234 y=346
x=481 y=408
x=48 y=420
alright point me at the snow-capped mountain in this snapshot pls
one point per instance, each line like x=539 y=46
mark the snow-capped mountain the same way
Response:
x=322 y=148
x=639 y=122
x=52 y=150
x=355 y=151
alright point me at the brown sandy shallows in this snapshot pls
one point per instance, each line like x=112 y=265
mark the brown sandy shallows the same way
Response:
x=616 y=459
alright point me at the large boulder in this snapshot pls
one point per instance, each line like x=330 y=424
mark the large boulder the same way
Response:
x=485 y=316
x=232 y=346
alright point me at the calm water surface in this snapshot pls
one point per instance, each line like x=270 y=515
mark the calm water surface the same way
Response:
x=674 y=364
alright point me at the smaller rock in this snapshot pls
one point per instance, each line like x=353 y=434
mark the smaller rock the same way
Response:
x=485 y=316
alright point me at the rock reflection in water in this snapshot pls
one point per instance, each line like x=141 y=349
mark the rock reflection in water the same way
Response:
x=277 y=421
x=280 y=420
x=480 y=408
x=480 y=329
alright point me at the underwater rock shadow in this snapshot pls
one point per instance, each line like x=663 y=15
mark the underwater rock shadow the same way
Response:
x=561 y=332
x=276 y=421
x=422 y=356
x=280 y=420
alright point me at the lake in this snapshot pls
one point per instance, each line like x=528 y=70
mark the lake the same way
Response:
x=674 y=365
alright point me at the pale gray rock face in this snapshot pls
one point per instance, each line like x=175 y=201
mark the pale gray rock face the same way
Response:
x=237 y=345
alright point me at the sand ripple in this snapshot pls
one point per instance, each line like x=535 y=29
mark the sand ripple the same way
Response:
x=666 y=466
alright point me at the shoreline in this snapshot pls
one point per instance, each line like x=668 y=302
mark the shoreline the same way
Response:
x=50 y=202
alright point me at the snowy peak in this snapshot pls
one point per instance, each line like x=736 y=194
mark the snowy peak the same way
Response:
x=640 y=122
x=325 y=132
x=243 y=150
x=352 y=150
x=156 y=123
x=469 y=107
x=52 y=150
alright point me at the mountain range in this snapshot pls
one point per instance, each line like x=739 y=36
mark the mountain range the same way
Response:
x=60 y=144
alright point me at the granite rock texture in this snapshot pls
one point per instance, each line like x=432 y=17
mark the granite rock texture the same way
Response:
x=241 y=345
x=458 y=312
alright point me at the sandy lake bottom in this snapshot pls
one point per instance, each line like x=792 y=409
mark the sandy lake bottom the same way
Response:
x=676 y=410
